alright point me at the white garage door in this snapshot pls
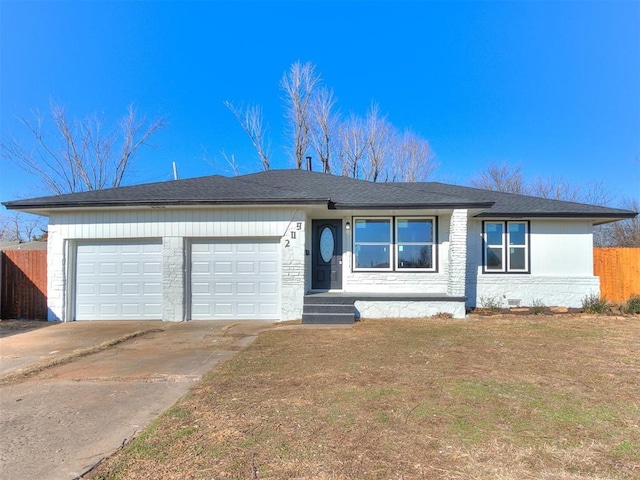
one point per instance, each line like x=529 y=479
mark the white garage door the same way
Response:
x=235 y=280
x=119 y=281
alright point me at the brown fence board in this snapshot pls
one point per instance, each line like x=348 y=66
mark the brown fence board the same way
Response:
x=619 y=272
x=24 y=284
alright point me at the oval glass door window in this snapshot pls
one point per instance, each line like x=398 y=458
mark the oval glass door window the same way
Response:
x=327 y=244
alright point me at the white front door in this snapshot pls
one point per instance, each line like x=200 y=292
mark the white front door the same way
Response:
x=237 y=279
x=118 y=280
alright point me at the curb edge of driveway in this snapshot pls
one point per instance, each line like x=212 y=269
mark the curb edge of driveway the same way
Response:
x=24 y=373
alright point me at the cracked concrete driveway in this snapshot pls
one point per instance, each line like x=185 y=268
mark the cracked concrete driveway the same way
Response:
x=71 y=394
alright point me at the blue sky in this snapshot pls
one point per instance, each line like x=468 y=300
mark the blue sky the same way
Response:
x=551 y=86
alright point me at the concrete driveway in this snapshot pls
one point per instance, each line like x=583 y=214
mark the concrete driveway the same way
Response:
x=115 y=377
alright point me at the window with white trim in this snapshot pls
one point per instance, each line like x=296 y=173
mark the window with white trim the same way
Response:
x=372 y=240
x=402 y=243
x=415 y=244
x=506 y=247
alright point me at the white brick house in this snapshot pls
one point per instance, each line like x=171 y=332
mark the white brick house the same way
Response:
x=275 y=244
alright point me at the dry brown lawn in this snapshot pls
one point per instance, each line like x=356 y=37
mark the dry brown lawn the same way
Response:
x=483 y=398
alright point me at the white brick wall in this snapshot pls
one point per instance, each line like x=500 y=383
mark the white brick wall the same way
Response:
x=292 y=261
x=457 y=253
x=527 y=289
x=408 y=309
x=173 y=279
x=56 y=275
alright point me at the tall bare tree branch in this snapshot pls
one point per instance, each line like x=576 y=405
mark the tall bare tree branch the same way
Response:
x=411 y=160
x=251 y=121
x=324 y=127
x=298 y=85
x=78 y=156
x=352 y=146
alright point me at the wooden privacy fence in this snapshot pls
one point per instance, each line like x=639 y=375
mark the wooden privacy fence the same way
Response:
x=619 y=272
x=23 y=286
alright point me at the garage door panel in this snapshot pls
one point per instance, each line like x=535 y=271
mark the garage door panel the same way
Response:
x=244 y=288
x=119 y=280
x=221 y=309
x=243 y=279
x=247 y=309
x=221 y=248
x=107 y=289
x=243 y=267
x=151 y=289
x=269 y=247
x=152 y=268
x=222 y=288
x=221 y=268
x=129 y=310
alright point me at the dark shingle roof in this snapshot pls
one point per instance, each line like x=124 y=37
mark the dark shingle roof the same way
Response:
x=513 y=205
x=345 y=192
x=301 y=187
x=211 y=190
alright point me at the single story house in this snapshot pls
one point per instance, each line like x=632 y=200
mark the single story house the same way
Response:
x=292 y=244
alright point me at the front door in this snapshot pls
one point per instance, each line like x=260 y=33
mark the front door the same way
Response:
x=326 y=255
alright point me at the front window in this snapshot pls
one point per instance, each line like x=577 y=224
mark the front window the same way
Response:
x=372 y=243
x=394 y=243
x=506 y=247
x=415 y=248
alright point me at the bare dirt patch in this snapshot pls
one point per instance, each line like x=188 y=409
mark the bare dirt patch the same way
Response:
x=486 y=398
x=13 y=327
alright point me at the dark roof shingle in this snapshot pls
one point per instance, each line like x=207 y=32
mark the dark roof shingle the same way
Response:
x=300 y=187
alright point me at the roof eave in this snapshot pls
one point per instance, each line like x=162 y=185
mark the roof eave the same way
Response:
x=163 y=203
x=407 y=206
x=606 y=217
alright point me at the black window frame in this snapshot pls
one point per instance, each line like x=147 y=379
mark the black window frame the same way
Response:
x=393 y=244
x=506 y=261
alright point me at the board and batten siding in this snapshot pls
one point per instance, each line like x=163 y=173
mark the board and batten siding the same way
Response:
x=175 y=226
x=561 y=266
x=160 y=222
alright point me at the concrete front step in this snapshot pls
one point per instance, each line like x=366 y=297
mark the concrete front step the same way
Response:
x=328 y=318
x=327 y=308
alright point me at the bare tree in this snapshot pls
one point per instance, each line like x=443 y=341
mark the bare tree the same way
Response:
x=623 y=233
x=380 y=136
x=558 y=189
x=412 y=160
x=369 y=148
x=352 y=146
x=501 y=178
x=506 y=178
x=252 y=122
x=298 y=84
x=79 y=155
x=324 y=126
x=21 y=228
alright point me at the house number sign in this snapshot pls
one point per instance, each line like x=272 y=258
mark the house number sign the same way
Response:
x=293 y=234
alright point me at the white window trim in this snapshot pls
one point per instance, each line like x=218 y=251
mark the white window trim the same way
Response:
x=505 y=245
x=390 y=245
x=432 y=243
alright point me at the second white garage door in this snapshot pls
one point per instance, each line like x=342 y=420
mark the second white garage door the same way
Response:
x=235 y=280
